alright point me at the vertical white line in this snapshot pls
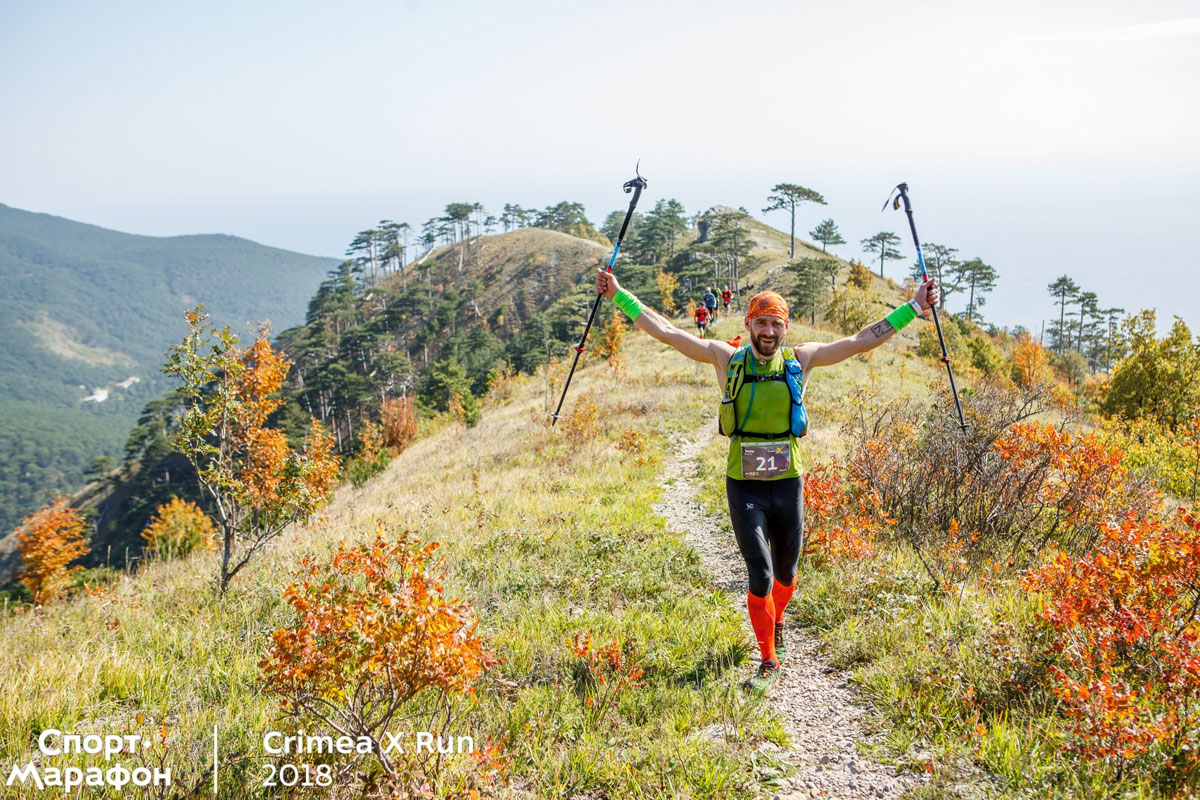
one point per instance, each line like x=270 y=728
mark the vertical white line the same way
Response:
x=214 y=759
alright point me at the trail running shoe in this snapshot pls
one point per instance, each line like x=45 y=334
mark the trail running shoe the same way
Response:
x=764 y=681
x=780 y=645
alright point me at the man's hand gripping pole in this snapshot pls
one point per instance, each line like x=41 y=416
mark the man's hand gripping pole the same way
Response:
x=635 y=185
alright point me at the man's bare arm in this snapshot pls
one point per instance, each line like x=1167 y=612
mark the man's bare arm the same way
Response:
x=824 y=354
x=708 y=351
x=821 y=354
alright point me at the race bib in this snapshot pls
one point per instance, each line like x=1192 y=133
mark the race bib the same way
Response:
x=762 y=460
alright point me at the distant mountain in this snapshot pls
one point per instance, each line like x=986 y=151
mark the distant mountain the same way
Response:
x=85 y=315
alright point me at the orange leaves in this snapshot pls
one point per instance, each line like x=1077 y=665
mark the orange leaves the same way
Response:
x=399 y=424
x=372 y=621
x=258 y=483
x=266 y=452
x=836 y=524
x=1124 y=614
x=321 y=465
x=609 y=347
x=49 y=539
x=262 y=371
x=604 y=673
x=1031 y=362
x=177 y=528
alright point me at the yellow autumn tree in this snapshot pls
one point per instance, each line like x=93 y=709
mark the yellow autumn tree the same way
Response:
x=1031 y=362
x=49 y=540
x=668 y=284
x=258 y=483
x=177 y=528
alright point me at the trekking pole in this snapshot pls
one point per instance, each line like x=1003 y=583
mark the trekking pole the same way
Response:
x=903 y=196
x=636 y=185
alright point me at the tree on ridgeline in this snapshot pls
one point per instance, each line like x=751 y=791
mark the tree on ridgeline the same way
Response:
x=1088 y=307
x=978 y=279
x=1114 y=342
x=458 y=216
x=334 y=302
x=884 y=243
x=1159 y=378
x=1064 y=291
x=395 y=249
x=364 y=251
x=826 y=233
x=785 y=198
x=256 y=482
x=513 y=217
x=809 y=287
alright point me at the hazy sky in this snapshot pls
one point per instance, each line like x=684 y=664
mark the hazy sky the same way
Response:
x=1044 y=137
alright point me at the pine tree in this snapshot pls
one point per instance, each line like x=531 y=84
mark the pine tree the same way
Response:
x=826 y=233
x=809 y=287
x=978 y=279
x=787 y=196
x=884 y=244
x=1064 y=290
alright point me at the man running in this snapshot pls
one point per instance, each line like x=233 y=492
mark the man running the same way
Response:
x=726 y=299
x=763 y=484
x=710 y=302
x=701 y=315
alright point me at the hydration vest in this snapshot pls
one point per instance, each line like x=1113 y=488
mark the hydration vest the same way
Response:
x=740 y=372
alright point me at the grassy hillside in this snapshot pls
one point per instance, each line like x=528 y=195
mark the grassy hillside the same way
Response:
x=84 y=309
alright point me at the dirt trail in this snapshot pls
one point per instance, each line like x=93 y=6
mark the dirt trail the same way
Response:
x=823 y=713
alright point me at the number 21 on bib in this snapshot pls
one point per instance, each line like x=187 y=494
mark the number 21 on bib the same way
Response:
x=765 y=459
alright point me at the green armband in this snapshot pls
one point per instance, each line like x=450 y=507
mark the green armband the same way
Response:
x=627 y=302
x=901 y=316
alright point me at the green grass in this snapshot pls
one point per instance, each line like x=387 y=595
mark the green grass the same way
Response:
x=956 y=681
x=545 y=536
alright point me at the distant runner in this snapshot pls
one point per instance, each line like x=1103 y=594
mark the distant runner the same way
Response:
x=710 y=302
x=763 y=413
x=726 y=299
x=701 y=314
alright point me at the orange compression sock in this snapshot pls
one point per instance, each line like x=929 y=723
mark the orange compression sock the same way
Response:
x=782 y=594
x=762 y=619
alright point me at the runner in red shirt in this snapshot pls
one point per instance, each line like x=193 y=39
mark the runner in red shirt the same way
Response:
x=701 y=315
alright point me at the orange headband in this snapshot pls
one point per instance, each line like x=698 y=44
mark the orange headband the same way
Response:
x=767 y=304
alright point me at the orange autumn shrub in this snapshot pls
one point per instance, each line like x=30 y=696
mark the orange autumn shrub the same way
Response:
x=1031 y=362
x=48 y=540
x=609 y=347
x=372 y=640
x=837 y=525
x=1127 y=640
x=177 y=528
x=602 y=674
x=399 y=424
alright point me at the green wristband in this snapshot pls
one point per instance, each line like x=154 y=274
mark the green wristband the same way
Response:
x=901 y=316
x=627 y=302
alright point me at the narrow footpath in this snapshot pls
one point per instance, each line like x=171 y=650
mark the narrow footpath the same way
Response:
x=823 y=714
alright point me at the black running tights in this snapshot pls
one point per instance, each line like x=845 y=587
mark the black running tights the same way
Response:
x=768 y=522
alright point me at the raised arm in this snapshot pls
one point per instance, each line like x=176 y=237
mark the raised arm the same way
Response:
x=708 y=351
x=822 y=354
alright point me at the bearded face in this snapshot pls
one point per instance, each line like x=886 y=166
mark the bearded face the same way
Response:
x=766 y=334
